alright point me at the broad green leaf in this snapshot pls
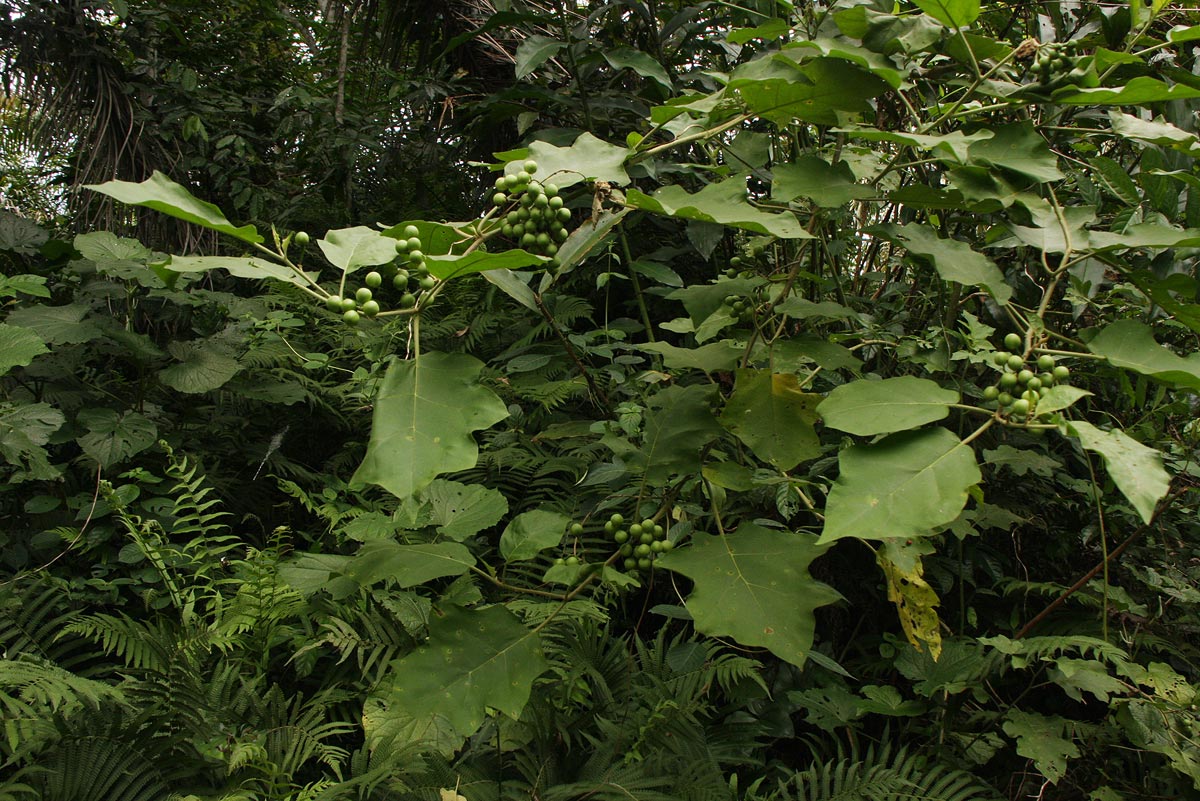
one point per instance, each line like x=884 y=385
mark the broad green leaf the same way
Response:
x=1136 y=92
x=160 y=193
x=1017 y=147
x=102 y=246
x=799 y=353
x=515 y=285
x=642 y=63
x=877 y=63
x=1044 y=739
x=1130 y=344
x=678 y=424
x=113 y=437
x=954 y=261
x=723 y=203
x=1114 y=176
x=907 y=485
x=463 y=510
x=310 y=573
x=56 y=325
x=19 y=235
x=773 y=417
x=768 y=31
x=820 y=91
x=1136 y=469
x=865 y=407
x=1060 y=397
x=753 y=585
x=447 y=267
x=203 y=366
x=530 y=533
x=24 y=430
x=18 y=347
x=804 y=309
x=713 y=357
x=534 y=51
x=1155 y=131
x=587 y=159
x=473 y=661
x=827 y=185
x=951 y=13
x=243 y=267
x=424 y=415
x=955 y=144
x=23 y=283
x=351 y=248
x=1078 y=676
x=407 y=565
x=587 y=237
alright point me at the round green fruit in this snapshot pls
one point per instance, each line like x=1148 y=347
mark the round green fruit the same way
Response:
x=1061 y=372
x=349 y=304
x=427 y=282
x=1008 y=380
x=1012 y=341
x=617 y=519
x=370 y=308
x=1045 y=362
x=991 y=393
x=572 y=560
x=363 y=294
x=373 y=280
x=300 y=238
x=644 y=563
x=408 y=300
x=1004 y=399
x=621 y=537
x=334 y=303
x=1000 y=358
x=351 y=316
x=630 y=564
x=1020 y=407
x=499 y=199
x=531 y=166
x=411 y=231
x=576 y=529
x=1015 y=362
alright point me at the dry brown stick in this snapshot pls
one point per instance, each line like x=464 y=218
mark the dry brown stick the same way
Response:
x=1162 y=506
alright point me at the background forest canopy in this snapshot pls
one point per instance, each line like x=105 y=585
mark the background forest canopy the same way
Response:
x=633 y=401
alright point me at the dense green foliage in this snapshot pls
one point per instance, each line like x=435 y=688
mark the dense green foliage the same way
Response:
x=634 y=400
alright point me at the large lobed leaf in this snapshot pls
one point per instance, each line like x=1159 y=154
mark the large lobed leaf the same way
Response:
x=753 y=585
x=424 y=415
x=1136 y=469
x=473 y=661
x=773 y=417
x=867 y=407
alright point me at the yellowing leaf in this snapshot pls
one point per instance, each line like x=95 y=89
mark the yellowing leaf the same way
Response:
x=916 y=603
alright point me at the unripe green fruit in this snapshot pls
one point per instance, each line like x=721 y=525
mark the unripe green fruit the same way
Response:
x=411 y=231
x=300 y=238
x=531 y=166
x=348 y=304
x=511 y=182
x=630 y=564
x=1024 y=376
x=550 y=189
x=1015 y=362
x=400 y=281
x=370 y=308
x=427 y=282
x=644 y=563
x=633 y=139
x=642 y=550
x=1034 y=383
x=1000 y=358
x=576 y=529
x=523 y=178
x=500 y=182
x=656 y=547
x=991 y=393
x=564 y=215
x=626 y=549
x=415 y=257
x=1004 y=399
x=1012 y=341
x=621 y=537
x=363 y=294
x=334 y=303
x=617 y=519
x=572 y=560
x=1030 y=395
x=408 y=300
x=1008 y=380
x=351 y=316
x=1045 y=362
x=1020 y=407
x=659 y=532
x=1061 y=372
x=413 y=243
x=635 y=530
x=499 y=199
x=373 y=280
x=401 y=246
x=560 y=561
x=1047 y=379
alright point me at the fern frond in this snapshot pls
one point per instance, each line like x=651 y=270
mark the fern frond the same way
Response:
x=883 y=775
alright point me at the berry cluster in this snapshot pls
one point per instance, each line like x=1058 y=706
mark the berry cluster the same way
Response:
x=1054 y=58
x=640 y=544
x=1019 y=388
x=535 y=219
x=407 y=276
x=741 y=307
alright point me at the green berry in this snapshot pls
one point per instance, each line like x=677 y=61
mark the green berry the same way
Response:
x=1008 y=380
x=1061 y=372
x=334 y=303
x=300 y=238
x=531 y=166
x=617 y=519
x=373 y=279
x=499 y=199
x=348 y=304
x=411 y=231
x=1012 y=341
x=1020 y=407
x=991 y=393
x=351 y=316
x=621 y=537
x=370 y=308
x=1045 y=362
x=576 y=529
x=363 y=294
x=1015 y=362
